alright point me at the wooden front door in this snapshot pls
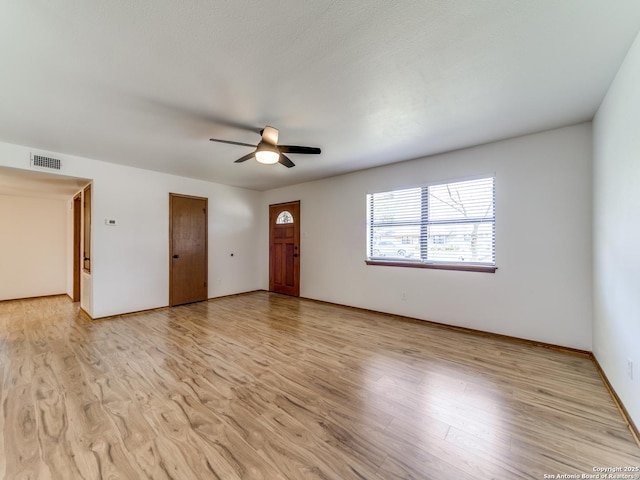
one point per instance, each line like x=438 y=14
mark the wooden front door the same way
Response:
x=284 y=248
x=187 y=249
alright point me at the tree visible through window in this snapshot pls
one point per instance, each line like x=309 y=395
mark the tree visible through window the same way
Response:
x=451 y=223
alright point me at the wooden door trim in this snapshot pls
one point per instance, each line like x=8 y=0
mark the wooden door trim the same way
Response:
x=282 y=204
x=272 y=218
x=87 y=200
x=206 y=240
x=182 y=195
x=77 y=246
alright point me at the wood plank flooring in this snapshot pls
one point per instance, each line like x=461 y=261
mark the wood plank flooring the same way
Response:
x=264 y=386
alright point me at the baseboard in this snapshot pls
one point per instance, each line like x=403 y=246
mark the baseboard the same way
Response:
x=482 y=333
x=231 y=295
x=86 y=314
x=136 y=312
x=35 y=298
x=126 y=314
x=635 y=433
x=71 y=299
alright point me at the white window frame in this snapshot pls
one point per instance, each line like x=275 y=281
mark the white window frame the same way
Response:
x=424 y=223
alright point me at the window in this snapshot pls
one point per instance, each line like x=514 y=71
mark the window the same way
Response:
x=284 y=218
x=450 y=225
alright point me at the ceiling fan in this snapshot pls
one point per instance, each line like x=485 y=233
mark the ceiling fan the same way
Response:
x=268 y=151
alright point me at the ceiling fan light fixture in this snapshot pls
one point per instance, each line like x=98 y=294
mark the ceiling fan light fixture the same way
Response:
x=267 y=155
x=268 y=151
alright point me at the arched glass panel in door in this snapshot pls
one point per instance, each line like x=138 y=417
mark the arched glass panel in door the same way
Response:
x=284 y=218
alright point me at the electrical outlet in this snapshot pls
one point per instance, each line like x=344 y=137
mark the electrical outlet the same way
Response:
x=629 y=369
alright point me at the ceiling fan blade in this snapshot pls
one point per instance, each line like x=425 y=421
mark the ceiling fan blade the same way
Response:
x=249 y=156
x=286 y=161
x=296 y=149
x=270 y=135
x=199 y=114
x=232 y=143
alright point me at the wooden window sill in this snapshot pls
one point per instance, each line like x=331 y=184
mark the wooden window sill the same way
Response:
x=434 y=266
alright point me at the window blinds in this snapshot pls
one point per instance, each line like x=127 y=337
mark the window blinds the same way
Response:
x=445 y=223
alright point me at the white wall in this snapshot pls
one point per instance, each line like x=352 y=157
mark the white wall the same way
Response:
x=616 y=232
x=543 y=185
x=33 y=247
x=130 y=261
x=542 y=289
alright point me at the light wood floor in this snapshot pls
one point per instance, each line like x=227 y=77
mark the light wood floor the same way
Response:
x=269 y=387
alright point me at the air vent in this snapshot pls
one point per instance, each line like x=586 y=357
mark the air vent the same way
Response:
x=50 y=163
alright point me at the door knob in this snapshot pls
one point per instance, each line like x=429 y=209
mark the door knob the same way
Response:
x=176 y=256
x=295 y=254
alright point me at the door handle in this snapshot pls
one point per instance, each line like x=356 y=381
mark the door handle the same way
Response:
x=295 y=254
x=176 y=256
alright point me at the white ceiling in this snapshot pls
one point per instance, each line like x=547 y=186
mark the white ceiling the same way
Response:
x=147 y=83
x=16 y=182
